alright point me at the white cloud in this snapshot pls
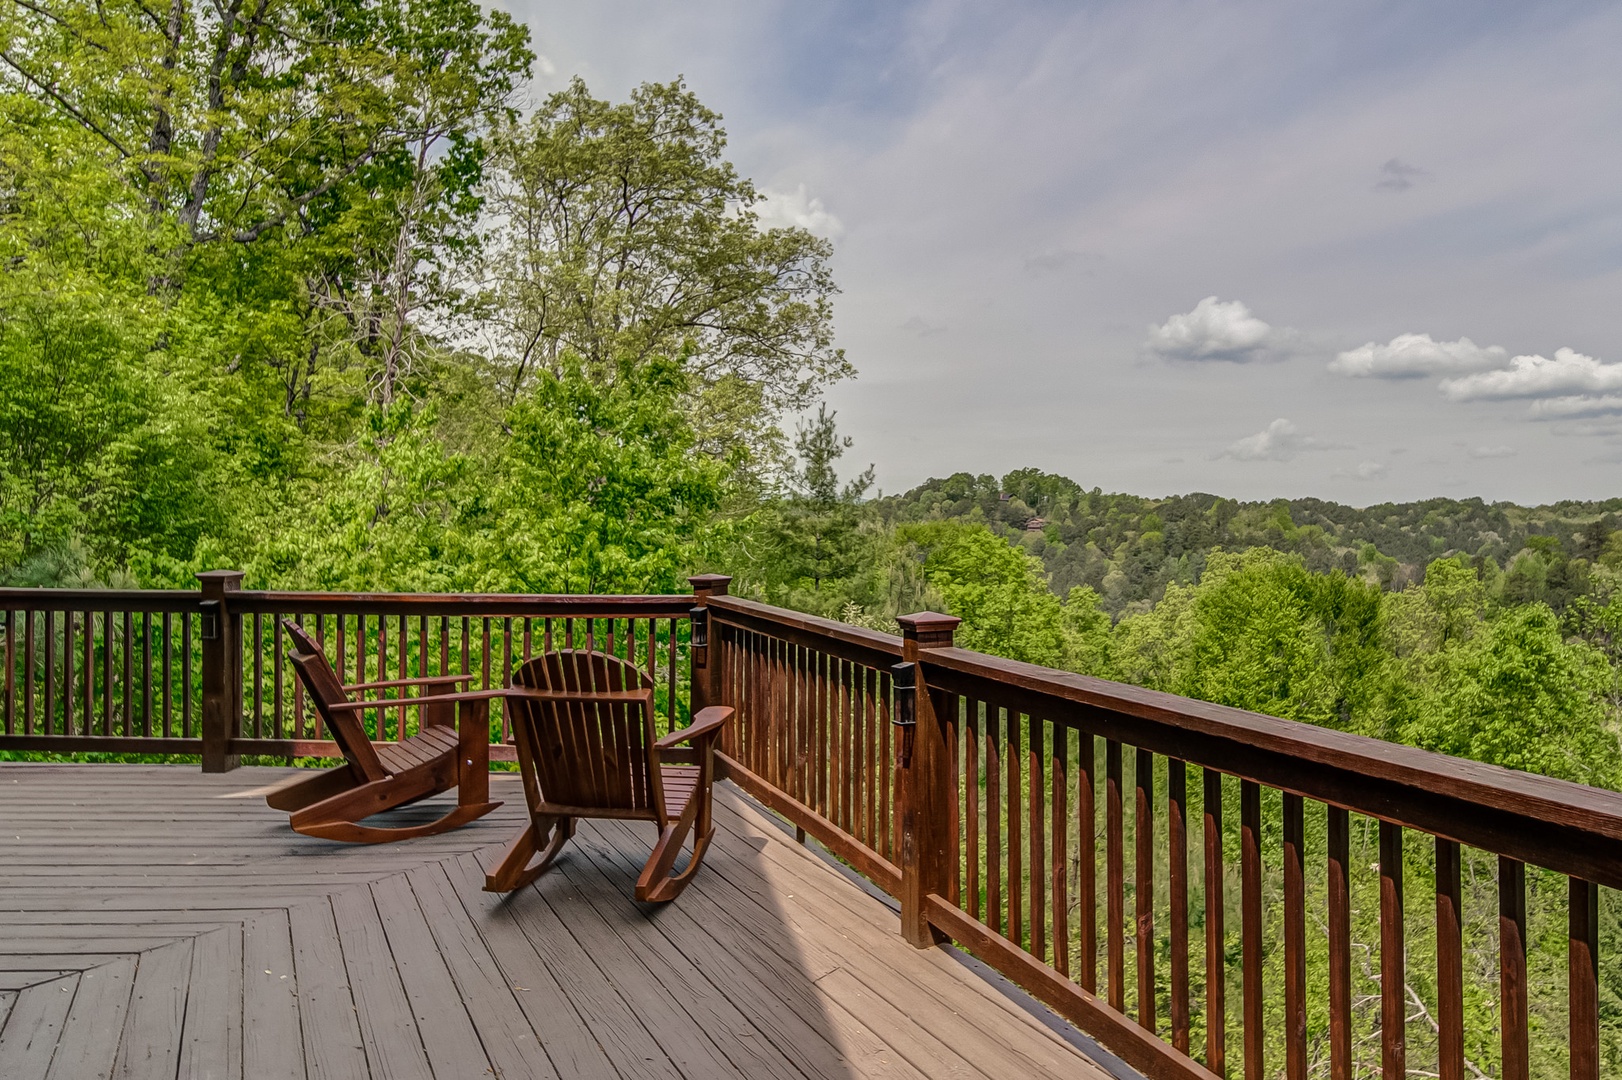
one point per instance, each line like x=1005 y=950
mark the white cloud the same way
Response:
x=1412 y=356
x=1577 y=407
x=797 y=209
x=1279 y=441
x=1569 y=373
x=1480 y=452
x=1365 y=470
x=1217 y=330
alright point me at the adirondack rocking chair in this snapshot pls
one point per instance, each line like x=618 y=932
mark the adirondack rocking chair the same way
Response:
x=583 y=724
x=451 y=749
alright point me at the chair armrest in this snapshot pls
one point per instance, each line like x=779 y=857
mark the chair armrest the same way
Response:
x=430 y=699
x=426 y=680
x=707 y=724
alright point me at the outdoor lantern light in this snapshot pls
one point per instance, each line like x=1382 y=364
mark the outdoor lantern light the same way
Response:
x=701 y=627
x=904 y=677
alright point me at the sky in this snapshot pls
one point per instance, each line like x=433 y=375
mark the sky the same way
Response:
x=1357 y=251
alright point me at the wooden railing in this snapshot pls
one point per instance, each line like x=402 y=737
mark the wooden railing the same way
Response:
x=204 y=673
x=1188 y=883
x=813 y=737
x=1180 y=879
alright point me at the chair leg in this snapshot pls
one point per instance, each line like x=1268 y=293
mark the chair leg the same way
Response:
x=545 y=837
x=338 y=817
x=656 y=884
x=350 y=833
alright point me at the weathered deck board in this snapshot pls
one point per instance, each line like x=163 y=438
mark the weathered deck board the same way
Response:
x=155 y=921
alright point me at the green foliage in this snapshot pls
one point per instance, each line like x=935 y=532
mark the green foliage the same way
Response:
x=604 y=491
x=810 y=535
x=623 y=234
x=1516 y=694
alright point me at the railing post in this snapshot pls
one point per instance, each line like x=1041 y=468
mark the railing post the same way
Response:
x=706 y=677
x=925 y=779
x=222 y=669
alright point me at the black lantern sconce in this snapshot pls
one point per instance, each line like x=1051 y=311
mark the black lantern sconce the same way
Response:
x=700 y=636
x=904 y=677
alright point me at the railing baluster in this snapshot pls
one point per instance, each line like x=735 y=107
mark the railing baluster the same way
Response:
x=146 y=672
x=804 y=771
x=870 y=711
x=1250 y=928
x=52 y=682
x=1295 y=939
x=89 y=673
x=1393 y=974
x=1582 y=960
x=1016 y=846
x=971 y=801
x=278 y=714
x=994 y=842
x=853 y=717
x=126 y=693
x=830 y=778
x=888 y=773
x=1143 y=867
x=319 y=727
x=107 y=636
x=1216 y=940
x=670 y=674
x=1115 y=874
x=1449 y=963
x=847 y=759
x=1035 y=753
x=1338 y=884
x=185 y=671
x=258 y=676
x=1059 y=813
x=67 y=672
x=1177 y=850
x=168 y=665
x=484 y=653
x=28 y=675
x=1087 y=860
x=506 y=674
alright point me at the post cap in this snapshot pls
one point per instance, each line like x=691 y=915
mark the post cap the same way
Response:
x=709 y=584
x=227 y=579
x=930 y=629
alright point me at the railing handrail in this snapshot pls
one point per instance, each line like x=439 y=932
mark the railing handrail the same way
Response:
x=1557 y=824
x=497 y=605
x=849 y=642
x=51 y=599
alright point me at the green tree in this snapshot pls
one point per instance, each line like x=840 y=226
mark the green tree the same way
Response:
x=619 y=233
x=1516 y=694
x=999 y=592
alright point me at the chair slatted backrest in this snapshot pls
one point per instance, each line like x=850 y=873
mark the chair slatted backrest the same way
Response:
x=590 y=745
x=326 y=690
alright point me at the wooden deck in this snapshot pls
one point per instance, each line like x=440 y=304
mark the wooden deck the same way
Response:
x=158 y=922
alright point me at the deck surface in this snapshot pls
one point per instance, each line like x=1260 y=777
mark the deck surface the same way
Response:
x=157 y=922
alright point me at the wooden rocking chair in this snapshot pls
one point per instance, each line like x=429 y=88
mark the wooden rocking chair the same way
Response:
x=583 y=723
x=450 y=750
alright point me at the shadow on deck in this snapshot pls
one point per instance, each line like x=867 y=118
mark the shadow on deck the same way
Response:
x=158 y=922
